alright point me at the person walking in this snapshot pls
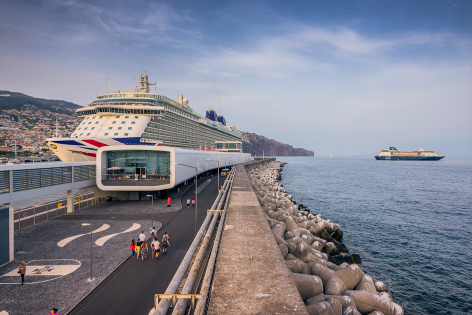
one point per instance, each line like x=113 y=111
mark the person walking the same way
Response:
x=193 y=202
x=144 y=251
x=22 y=271
x=54 y=311
x=157 y=248
x=138 y=248
x=153 y=233
x=142 y=237
x=188 y=203
x=132 y=245
x=165 y=243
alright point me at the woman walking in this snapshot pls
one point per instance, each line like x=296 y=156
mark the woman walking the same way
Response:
x=22 y=271
x=165 y=243
x=144 y=250
x=132 y=245
x=193 y=202
x=138 y=248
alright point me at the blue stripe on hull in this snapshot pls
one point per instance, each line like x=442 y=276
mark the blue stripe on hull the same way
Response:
x=409 y=158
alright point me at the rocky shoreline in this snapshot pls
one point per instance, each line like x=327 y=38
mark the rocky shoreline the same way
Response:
x=328 y=277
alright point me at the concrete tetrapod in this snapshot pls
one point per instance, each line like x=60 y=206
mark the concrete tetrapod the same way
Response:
x=367 y=302
x=366 y=284
x=336 y=282
x=350 y=310
x=335 y=306
x=322 y=308
x=307 y=285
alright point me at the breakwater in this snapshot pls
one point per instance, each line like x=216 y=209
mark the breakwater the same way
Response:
x=328 y=278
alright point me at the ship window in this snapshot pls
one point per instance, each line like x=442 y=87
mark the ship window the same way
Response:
x=81 y=134
x=136 y=117
x=116 y=134
x=96 y=122
x=93 y=117
x=100 y=117
x=93 y=128
x=88 y=134
x=117 y=117
x=126 y=116
x=106 y=134
x=89 y=123
x=123 y=122
x=114 y=122
x=133 y=122
x=109 y=128
x=78 y=128
x=130 y=128
x=119 y=128
x=85 y=128
x=126 y=134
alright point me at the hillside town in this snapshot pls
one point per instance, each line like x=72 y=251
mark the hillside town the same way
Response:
x=34 y=126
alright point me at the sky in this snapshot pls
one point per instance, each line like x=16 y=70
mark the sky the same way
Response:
x=335 y=77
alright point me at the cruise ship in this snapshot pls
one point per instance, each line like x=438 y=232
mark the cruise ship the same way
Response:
x=142 y=118
x=392 y=154
x=143 y=141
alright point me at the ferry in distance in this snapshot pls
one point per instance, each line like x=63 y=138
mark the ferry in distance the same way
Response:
x=392 y=154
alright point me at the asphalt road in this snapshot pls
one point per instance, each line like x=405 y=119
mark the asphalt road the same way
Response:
x=131 y=287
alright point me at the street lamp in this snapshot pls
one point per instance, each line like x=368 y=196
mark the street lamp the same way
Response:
x=218 y=173
x=87 y=224
x=196 y=183
x=152 y=206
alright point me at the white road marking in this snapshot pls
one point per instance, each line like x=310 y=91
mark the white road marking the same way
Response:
x=44 y=267
x=65 y=241
x=45 y=270
x=102 y=240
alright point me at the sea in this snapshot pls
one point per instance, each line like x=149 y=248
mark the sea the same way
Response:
x=410 y=222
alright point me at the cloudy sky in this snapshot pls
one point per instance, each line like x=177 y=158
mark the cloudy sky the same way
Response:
x=335 y=77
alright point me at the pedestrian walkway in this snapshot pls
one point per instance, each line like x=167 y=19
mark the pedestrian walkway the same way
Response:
x=57 y=255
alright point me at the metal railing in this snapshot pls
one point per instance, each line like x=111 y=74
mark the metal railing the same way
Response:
x=46 y=211
x=179 y=302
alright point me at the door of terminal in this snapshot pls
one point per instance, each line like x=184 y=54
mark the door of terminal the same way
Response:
x=140 y=172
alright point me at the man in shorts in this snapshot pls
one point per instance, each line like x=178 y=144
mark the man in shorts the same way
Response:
x=157 y=248
x=165 y=243
x=153 y=233
x=142 y=237
x=188 y=203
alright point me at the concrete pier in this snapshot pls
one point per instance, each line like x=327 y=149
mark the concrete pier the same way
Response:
x=251 y=275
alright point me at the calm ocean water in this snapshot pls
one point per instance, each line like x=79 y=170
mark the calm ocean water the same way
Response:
x=410 y=222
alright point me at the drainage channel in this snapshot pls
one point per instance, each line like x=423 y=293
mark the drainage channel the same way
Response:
x=201 y=258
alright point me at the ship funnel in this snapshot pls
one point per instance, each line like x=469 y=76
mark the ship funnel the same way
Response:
x=180 y=99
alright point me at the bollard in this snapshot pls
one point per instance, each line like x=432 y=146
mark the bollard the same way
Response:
x=168 y=201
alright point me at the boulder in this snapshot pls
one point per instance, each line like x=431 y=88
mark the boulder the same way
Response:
x=283 y=249
x=316 y=299
x=322 y=308
x=366 y=284
x=367 y=302
x=380 y=286
x=307 y=286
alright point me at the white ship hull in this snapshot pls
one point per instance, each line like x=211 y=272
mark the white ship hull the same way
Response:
x=80 y=149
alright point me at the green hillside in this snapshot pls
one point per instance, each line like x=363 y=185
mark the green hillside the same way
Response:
x=14 y=100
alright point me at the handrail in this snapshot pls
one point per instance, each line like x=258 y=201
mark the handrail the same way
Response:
x=164 y=304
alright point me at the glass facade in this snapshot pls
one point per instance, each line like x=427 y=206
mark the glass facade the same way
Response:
x=229 y=145
x=137 y=168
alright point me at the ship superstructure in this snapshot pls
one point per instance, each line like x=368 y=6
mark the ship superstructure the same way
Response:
x=393 y=154
x=140 y=117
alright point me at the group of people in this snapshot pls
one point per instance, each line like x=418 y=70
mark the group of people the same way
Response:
x=141 y=246
x=188 y=203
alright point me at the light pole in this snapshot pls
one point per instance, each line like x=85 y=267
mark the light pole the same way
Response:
x=152 y=213
x=196 y=183
x=86 y=224
x=218 y=173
